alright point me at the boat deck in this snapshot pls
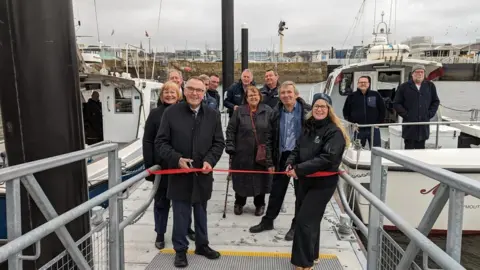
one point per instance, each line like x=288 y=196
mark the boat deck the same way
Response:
x=231 y=236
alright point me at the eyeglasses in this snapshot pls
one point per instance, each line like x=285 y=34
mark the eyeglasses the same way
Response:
x=362 y=82
x=192 y=89
x=323 y=107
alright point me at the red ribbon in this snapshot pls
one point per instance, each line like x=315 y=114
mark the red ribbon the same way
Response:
x=195 y=170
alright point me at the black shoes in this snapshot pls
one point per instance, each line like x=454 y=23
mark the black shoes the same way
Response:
x=191 y=234
x=261 y=227
x=207 y=252
x=259 y=211
x=180 y=259
x=160 y=241
x=238 y=209
x=290 y=234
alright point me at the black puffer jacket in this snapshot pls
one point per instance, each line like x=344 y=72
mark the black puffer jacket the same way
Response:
x=319 y=148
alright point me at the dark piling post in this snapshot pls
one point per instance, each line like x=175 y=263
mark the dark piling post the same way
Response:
x=244 y=46
x=41 y=109
x=228 y=49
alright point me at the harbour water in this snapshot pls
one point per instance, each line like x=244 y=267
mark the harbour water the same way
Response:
x=460 y=96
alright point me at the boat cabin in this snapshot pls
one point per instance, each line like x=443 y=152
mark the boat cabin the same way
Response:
x=112 y=107
x=385 y=76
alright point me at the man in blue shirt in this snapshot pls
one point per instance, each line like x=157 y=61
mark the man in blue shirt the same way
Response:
x=286 y=129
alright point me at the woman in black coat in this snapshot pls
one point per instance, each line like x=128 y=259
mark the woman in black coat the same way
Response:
x=242 y=143
x=169 y=94
x=319 y=148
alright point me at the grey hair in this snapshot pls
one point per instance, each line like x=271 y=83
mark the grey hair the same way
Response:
x=287 y=83
x=175 y=70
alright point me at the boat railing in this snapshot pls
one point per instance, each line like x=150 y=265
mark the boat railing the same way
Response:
x=355 y=126
x=316 y=88
x=452 y=188
x=102 y=247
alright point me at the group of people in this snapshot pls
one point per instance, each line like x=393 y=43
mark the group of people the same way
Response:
x=270 y=129
x=415 y=101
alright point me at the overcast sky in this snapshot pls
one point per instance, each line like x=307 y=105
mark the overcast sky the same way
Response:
x=313 y=24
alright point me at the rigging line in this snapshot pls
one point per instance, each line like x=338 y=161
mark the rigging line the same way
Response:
x=374 y=16
x=390 y=18
x=96 y=20
x=159 y=13
x=395 y=22
x=355 y=23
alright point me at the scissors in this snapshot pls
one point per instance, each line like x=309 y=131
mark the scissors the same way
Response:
x=191 y=167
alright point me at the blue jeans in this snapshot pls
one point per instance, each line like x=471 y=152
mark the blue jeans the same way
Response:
x=182 y=212
x=365 y=134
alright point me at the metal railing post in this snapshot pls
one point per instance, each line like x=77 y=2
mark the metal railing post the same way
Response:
x=14 y=220
x=121 y=234
x=374 y=219
x=455 y=224
x=35 y=191
x=113 y=209
x=426 y=224
x=436 y=136
x=372 y=130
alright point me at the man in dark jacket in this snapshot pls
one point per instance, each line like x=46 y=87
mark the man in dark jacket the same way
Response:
x=270 y=89
x=212 y=89
x=93 y=117
x=287 y=125
x=236 y=92
x=416 y=101
x=365 y=107
x=190 y=133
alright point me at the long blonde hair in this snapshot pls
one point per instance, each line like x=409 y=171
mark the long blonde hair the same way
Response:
x=336 y=120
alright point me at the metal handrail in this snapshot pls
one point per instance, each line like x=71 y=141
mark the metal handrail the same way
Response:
x=449 y=178
x=17 y=245
x=412 y=123
x=435 y=252
x=16 y=171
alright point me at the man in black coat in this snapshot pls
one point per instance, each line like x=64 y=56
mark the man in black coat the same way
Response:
x=365 y=107
x=416 y=101
x=236 y=92
x=190 y=133
x=287 y=126
x=270 y=89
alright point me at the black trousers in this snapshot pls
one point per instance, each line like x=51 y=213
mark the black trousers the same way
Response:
x=306 y=241
x=258 y=200
x=413 y=144
x=277 y=194
x=182 y=212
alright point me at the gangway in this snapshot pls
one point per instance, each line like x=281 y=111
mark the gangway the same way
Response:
x=122 y=235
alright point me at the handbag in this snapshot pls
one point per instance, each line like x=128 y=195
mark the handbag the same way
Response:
x=261 y=156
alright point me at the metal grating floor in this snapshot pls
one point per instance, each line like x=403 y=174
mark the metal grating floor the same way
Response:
x=239 y=261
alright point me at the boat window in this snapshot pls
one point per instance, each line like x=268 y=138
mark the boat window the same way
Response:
x=327 y=85
x=345 y=86
x=123 y=100
x=389 y=79
x=154 y=98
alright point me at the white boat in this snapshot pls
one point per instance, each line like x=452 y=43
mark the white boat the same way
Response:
x=125 y=104
x=408 y=193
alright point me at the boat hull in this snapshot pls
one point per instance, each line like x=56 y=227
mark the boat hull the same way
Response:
x=409 y=194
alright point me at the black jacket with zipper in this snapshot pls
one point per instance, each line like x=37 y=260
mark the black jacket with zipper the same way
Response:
x=319 y=148
x=364 y=109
